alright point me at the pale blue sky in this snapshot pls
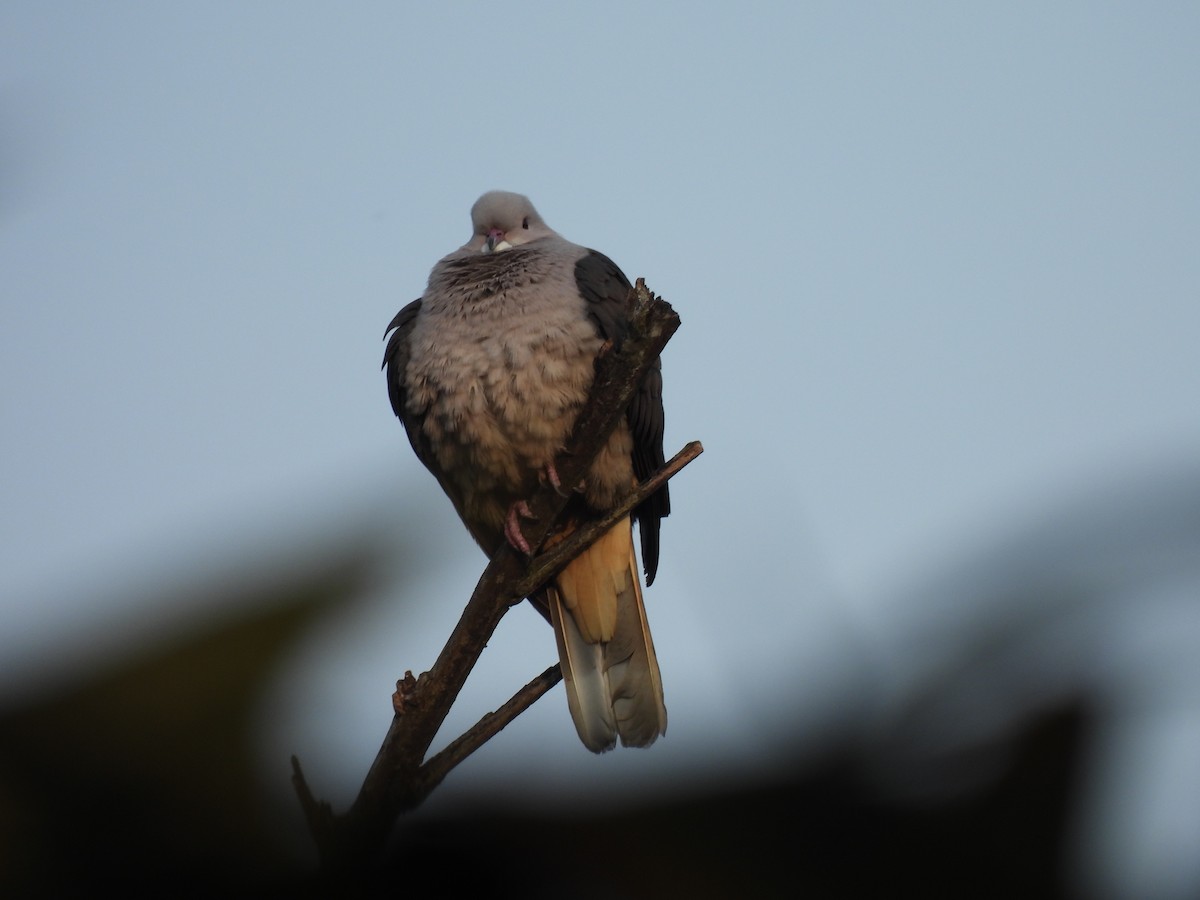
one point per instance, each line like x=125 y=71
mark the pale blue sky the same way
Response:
x=936 y=263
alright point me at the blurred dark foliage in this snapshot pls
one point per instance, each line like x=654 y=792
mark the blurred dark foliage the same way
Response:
x=142 y=782
x=820 y=831
x=142 y=779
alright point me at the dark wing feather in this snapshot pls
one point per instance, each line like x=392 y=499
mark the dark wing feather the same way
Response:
x=395 y=361
x=606 y=289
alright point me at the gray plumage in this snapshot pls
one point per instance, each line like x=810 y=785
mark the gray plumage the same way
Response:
x=488 y=371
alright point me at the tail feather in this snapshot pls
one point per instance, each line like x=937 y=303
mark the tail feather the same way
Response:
x=584 y=678
x=610 y=669
x=633 y=672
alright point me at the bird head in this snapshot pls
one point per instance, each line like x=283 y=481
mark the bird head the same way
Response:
x=502 y=220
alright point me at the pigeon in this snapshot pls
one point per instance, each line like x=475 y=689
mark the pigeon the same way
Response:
x=488 y=371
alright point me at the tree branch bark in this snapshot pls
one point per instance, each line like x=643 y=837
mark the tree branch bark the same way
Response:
x=398 y=780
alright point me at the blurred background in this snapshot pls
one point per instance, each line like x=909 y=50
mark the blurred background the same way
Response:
x=929 y=604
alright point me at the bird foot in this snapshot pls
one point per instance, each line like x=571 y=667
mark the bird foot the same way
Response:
x=512 y=526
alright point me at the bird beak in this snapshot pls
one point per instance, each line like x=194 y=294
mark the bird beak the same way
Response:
x=495 y=242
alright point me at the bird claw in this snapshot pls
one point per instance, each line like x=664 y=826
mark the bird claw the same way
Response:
x=512 y=526
x=551 y=475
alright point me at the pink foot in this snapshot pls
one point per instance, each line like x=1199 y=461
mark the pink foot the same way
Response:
x=512 y=526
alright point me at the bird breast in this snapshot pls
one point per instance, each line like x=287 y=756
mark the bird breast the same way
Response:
x=498 y=377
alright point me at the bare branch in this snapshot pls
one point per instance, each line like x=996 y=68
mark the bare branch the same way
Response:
x=486 y=728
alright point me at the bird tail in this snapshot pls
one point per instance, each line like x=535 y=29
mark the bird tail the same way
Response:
x=608 y=662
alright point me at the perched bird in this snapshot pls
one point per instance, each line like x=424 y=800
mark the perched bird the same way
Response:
x=488 y=371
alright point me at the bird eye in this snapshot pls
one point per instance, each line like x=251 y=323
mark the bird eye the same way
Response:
x=525 y=223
